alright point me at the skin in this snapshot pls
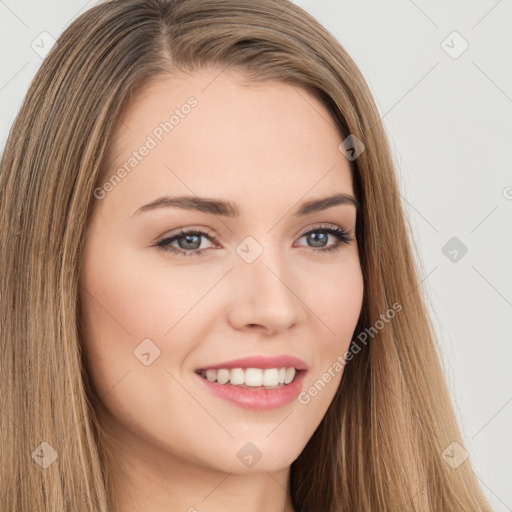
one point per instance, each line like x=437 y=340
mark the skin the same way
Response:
x=268 y=147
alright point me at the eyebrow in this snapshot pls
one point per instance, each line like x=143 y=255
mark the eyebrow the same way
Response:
x=229 y=209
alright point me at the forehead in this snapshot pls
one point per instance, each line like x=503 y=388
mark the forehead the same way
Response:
x=214 y=133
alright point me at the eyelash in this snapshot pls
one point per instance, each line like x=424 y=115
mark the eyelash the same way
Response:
x=164 y=244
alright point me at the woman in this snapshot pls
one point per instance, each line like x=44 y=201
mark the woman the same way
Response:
x=290 y=363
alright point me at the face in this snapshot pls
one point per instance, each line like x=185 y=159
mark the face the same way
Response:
x=174 y=288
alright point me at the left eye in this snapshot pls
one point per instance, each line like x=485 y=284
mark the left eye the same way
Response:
x=189 y=242
x=340 y=234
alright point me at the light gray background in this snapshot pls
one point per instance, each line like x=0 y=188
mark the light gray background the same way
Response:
x=449 y=121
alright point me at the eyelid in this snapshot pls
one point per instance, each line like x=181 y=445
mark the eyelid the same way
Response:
x=343 y=237
x=321 y=225
x=213 y=236
x=186 y=230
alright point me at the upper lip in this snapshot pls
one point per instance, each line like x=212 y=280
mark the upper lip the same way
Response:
x=260 y=362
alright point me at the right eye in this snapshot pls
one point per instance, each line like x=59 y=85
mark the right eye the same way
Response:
x=190 y=237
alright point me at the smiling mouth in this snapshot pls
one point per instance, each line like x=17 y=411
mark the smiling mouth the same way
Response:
x=267 y=378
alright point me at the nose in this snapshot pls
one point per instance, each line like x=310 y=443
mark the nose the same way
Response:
x=263 y=296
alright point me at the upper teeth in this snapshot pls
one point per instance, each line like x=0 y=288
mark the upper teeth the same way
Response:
x=251 y=376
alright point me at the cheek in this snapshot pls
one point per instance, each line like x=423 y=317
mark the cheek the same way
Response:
x=117 y=310
x=125 y=301
x=335 y=309
x=127 y=297
x=337 y=302
x=343 y=302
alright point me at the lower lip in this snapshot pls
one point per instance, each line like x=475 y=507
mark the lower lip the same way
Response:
x=258 y=398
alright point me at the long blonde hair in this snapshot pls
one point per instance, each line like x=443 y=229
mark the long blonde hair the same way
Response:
x=379 y=446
